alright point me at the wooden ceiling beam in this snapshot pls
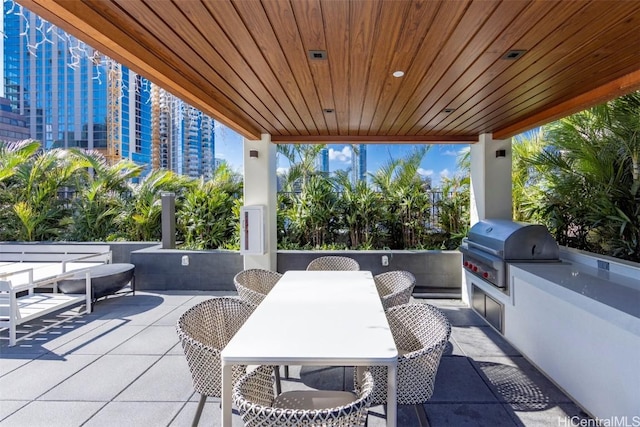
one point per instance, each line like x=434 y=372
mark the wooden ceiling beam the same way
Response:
x=599 y=95
x=375 y=139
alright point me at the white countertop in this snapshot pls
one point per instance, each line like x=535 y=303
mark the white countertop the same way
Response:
x=614 y=290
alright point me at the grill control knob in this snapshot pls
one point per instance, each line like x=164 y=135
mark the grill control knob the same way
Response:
x=485 y=274
x=466 y=263
x=475 y=268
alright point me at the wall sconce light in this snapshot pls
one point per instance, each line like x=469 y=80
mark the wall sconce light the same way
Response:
x=253 y=153
x=501 y=153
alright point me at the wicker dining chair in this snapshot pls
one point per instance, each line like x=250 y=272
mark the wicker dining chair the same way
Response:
x=204 y=330
x=421 y=333
x=395 y=287
x=254 y=284
x=258 y=406
x=341 y=263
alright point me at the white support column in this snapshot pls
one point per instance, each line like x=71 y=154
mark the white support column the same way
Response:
x=491 y=185
x=260 y=186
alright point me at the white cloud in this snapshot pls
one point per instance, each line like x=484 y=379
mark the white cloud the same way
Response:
x=445 y=173
x=425 y=172
x=282 y=171
x=456 y=153
x=343 y=155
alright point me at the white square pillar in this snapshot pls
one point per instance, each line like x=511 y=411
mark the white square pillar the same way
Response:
x=260 y=188
x=491 y=184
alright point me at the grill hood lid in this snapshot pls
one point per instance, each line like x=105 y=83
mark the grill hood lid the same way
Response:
x=514 y=241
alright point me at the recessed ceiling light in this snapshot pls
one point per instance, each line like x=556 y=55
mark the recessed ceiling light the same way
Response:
x=513 y=54
x=317 y=54
x=448 y=110
x=328 y=110
x=398 y=73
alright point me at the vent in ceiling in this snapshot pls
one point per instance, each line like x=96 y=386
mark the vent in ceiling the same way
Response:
x=513 y=55
x=318 y=54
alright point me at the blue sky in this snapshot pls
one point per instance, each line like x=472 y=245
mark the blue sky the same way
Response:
x=439 y=161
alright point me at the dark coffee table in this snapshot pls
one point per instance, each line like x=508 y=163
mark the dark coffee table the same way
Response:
x=106 y=279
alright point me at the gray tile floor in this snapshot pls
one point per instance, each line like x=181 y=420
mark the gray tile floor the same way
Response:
x=122 y=366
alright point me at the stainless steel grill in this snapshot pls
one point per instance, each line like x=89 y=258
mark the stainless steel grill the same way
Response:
x=492 y=243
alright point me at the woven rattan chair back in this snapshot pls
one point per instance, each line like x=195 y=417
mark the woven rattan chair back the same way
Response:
x=253 y=396
x=341 y=263
x=421 y=333
x=204 y=330
x=395 y=287
x=254 y=284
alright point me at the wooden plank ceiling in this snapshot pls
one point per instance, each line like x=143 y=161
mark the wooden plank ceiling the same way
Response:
x=248 y=64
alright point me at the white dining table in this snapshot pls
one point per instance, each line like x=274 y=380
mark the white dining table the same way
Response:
x=321 y=318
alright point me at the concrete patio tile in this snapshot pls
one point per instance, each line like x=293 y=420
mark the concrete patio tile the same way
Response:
x=52 y=414
x=8 y=364
x=100 y=340
x=210 y=416
x=462 y=316
x=176 y=350
x=517 y=382
x=8 y=407
x=102 y=380
x=135 y=414
x=171 y=318
x=562 y=414
x=469 y=414
x=32 y=380
x=144 y=315
x=151 y=340
x=167 y=380
x=481 y=341
x=407 y=416
x=142 y=298
x=458 y=381
x=69 y=331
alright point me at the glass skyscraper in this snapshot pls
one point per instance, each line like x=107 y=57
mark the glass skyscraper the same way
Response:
x=70 y=95
x=359 y=164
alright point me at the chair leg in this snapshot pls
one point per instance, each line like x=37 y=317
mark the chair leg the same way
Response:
x=276 y=372
x=196 y=418
x=286 y=371
x=422 y=415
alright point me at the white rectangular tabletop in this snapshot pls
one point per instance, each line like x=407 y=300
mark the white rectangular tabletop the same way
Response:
x=316 y=318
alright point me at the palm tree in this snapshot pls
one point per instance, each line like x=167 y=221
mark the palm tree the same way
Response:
x=141 y=218
x=35 y=209
x=406 y=202
x=206 y=216
x=360 y=210
x=590 y=191
x=99 y=199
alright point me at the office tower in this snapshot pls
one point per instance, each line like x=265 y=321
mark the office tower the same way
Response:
x=70 y=94
x=13 y=126
x=359 y=164
x=183 y=138
x=323 y=161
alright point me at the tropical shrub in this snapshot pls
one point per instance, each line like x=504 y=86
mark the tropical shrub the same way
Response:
x=584 y=179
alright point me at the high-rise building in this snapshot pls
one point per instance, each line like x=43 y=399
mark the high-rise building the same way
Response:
x=183 y=136
x=323 y=160
x=13 y=126
x=359 y=163
x=71 y=95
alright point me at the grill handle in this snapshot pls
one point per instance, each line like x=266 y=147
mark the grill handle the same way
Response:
x=475 y=245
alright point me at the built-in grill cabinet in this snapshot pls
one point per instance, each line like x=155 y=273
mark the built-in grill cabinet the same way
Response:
x=486 y=253
x=492 y=243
